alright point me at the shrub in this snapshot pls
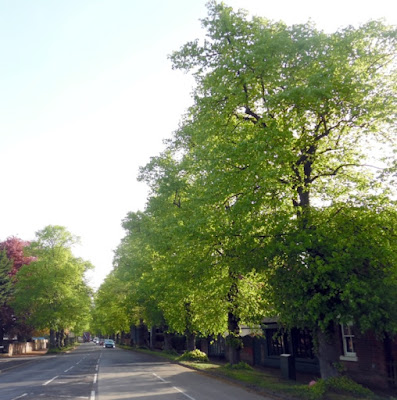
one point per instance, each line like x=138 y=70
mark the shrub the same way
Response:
x=195 y=355
x=241 y=365
x=339 y=384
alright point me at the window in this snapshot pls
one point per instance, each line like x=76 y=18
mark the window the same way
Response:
x=349 y=353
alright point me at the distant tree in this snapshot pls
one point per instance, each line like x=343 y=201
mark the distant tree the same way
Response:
x=14 y=249
x=52 y=293
x=5 y=290
x=5 y=277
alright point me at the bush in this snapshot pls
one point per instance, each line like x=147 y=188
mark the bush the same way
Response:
x=195 y=355
x=241 y=365
x=339 y=384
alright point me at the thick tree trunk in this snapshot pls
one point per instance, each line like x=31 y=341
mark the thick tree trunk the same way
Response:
x=52 y=339
x=167 y=341
x=328 y=354
x=132 y=335
x=190 y=336
x=233 y=341
x=190 y=341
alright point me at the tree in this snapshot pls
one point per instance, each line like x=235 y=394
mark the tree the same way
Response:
x=52 y=293
x=5 y=290
x=343 y=271
x=279 y=128
x=13 y=249
x=201 y=271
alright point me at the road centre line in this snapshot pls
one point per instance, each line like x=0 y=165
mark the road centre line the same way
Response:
x=46 y=383
x=20 y=397
x=180 y=391
x=159 y=377
x=67 y=370
x=95 y=378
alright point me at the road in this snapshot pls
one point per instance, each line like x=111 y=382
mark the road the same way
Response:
x=93 y=373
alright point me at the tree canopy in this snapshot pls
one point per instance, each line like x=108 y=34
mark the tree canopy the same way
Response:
x=265 y=202
x=51 y=293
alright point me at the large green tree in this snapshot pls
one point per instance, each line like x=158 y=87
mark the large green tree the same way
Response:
x=280 y=127
x=51 y=293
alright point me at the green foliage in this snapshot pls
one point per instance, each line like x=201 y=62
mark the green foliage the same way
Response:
x=341 y=385
x=234 y=341
x=239 y=366
x=194 y=355
x=343 y=269
x=51 y=292
x=264 y=203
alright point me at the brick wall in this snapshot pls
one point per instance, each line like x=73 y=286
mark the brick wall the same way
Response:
x=370 y=368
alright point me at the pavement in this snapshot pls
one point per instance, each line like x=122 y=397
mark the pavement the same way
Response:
x=10 y=362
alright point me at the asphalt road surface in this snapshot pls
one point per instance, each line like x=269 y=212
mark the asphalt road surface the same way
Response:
x=93 y=373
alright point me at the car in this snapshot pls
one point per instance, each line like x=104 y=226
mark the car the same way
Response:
x=109 y=343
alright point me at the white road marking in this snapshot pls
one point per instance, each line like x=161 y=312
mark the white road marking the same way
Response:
x=20 y=397
x=177 y=389
x=92 y=395
x=46 y=383
x=159 y=377
x=67 y=370
x=95 y=378
x=180 y=391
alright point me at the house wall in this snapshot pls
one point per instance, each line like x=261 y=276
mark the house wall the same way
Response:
x=370 y=368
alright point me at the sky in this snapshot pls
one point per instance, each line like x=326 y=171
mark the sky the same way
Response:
x=88 y=95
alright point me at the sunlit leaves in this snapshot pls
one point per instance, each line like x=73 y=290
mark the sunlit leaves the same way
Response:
x=51 y=292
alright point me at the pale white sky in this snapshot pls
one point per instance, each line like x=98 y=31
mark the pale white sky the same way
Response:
x=87 y=95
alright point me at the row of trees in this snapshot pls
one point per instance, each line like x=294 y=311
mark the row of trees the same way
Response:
x=43 y=287
x=264 y=202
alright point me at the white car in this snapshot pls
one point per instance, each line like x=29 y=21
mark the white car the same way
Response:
x=109 y=343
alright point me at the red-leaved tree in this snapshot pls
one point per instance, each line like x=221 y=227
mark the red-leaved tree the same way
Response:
x=14 y=248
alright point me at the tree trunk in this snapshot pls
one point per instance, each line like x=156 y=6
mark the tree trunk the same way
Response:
x=233 y=341
x=190 y=341
x=62 y=338
x=167 y=341
x=190 y=335
x=132 y=335
x=328 y=354
x=52 y=339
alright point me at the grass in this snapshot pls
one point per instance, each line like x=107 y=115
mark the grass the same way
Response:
x=268 y=381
